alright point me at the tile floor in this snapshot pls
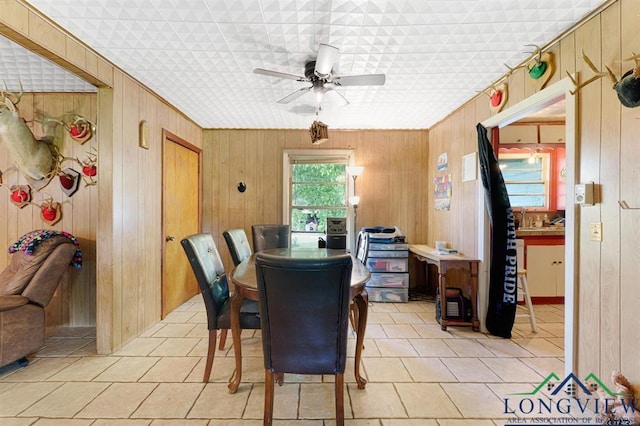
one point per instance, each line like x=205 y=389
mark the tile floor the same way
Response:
x=417 y=375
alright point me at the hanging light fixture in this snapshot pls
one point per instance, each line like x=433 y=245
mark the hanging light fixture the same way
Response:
x=533 y=156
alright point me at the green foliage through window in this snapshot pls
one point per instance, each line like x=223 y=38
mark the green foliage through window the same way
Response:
x=318 y=191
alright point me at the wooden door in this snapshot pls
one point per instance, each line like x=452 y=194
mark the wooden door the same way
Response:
x=181 y=217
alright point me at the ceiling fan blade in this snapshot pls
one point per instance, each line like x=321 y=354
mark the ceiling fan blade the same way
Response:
x=360 y=80
x=279 y=74
x=346 y=101
x=324 y=62
x=294 y=95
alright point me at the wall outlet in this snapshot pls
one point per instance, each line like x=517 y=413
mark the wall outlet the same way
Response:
x=595 y=231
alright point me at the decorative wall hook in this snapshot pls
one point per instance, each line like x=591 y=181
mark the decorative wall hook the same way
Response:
x=626 y=206
x=242 y=187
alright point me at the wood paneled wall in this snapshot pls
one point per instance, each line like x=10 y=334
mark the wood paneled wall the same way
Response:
x=124 y=221
x=393 y=188
x=608 y=154
x=130 y=231
x=74 y=301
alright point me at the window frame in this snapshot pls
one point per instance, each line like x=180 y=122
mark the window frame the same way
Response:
x=317 y=156
x=547 y=159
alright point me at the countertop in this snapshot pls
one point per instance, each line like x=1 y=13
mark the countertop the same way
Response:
x=545 y=231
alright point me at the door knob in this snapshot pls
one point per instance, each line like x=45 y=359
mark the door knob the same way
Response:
x=169 y=238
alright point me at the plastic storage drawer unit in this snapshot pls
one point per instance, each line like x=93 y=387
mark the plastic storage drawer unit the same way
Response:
x=389 y=267
x=389 y=280
x=385 y=294
x=380 y=264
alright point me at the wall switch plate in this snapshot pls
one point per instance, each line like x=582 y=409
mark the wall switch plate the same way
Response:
x=595 y=231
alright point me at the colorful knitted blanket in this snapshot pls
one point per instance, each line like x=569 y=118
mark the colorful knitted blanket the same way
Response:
x=29 y=241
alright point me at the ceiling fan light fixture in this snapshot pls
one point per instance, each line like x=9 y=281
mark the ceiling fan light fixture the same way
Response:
x=319 y=73
x=326 y=57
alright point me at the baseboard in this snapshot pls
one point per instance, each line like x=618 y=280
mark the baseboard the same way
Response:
x=547 y=300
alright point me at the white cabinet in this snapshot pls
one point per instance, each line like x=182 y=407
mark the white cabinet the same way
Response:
x=519 y=134
x=532 y=134
x=550 y=133
x=545 y=270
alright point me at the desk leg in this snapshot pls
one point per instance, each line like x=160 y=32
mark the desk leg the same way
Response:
x=234 y=312
x=362 y=301
x=442 y=282
x=474 y=296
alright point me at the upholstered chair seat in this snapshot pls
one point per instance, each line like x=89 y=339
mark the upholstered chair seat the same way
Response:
x=207 y=266
x=270 y=236
x=27 y=285
x=238 y=245
x=304 y=309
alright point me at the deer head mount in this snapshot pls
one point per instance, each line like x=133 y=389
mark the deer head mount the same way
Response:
x=36 y=159
x=539 y=66
x=627 y=88
x=498 y=95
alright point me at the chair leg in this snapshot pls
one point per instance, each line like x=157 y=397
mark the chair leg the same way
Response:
x=269 y=379
x=353 y=316
x=223 y=338
x=524 y=287
x=211 y=352
x=339 y=399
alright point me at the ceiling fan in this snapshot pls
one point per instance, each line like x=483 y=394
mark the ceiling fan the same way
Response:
x=319 y=74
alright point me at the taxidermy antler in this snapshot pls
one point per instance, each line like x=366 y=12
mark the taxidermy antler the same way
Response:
x=539 y=66
x=598 y=74
x=627 y=88
x=34 y=158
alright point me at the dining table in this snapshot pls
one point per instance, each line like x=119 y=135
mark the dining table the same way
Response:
x=245 y=281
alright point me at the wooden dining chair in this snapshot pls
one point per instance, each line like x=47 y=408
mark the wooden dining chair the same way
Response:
x=207 y=266
x=304 y=313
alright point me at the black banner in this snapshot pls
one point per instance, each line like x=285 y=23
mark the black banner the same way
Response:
x=504 y=269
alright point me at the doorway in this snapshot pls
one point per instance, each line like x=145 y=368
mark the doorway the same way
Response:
x=181 y=192
x=536 y=102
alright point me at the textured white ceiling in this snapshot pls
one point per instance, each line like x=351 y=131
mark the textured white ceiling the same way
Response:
x=200 y=54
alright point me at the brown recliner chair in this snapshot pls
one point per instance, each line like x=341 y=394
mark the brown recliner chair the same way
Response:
x=26 y=287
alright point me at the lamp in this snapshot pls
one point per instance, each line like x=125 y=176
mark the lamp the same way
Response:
x=354 y=172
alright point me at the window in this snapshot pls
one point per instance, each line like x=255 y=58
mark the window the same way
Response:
x=526 y=177
x=318 y=187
